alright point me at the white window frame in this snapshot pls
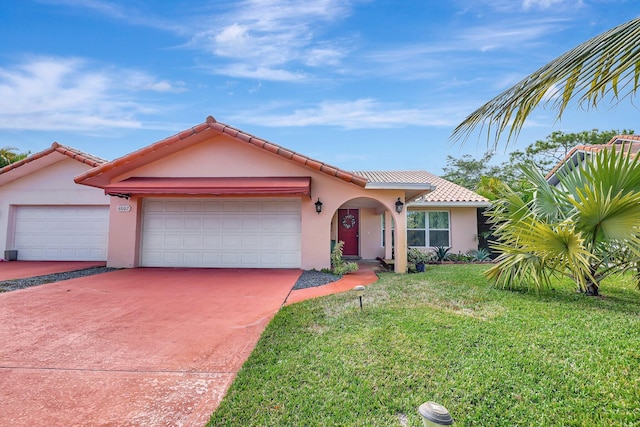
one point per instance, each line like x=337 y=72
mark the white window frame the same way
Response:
x=427 y=229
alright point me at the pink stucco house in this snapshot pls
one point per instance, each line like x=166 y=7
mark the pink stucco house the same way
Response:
x=215 y=196
x=45 y=216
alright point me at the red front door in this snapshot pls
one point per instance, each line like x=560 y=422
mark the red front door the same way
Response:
x=348 y=226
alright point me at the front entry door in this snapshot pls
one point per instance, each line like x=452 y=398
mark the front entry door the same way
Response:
x=348 y=231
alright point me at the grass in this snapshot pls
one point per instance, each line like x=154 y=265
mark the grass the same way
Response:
x=492 y=357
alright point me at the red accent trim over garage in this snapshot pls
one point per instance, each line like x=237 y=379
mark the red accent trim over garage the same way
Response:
x=281 y=186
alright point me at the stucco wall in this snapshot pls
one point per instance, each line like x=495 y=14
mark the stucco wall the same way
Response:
x=50 y=185
x=464 y=230
x=223 y=156
x=371 y=234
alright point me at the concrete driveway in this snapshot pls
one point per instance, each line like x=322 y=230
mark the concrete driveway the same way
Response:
x=138 y=347
x=22 y=269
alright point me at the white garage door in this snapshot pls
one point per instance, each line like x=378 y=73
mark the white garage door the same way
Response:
x=61 y=233
x=246 y=233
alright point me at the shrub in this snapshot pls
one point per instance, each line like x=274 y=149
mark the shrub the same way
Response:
x=416 y=256
x=441 y=253
x=338 y=265
x=480 y=255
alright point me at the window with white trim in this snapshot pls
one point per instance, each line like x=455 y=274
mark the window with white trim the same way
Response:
x=428 y=229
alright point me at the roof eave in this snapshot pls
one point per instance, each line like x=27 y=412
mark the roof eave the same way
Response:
x=451 y=204
x=54 y=154
x=399 y=186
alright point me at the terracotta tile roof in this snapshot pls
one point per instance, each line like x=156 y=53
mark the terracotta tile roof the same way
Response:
x=624 y=138
x=445 y=191
x=619 y=142
x=404 y=177
x=100 y=176
x=70 y=152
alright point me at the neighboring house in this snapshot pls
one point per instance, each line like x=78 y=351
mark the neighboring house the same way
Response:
x=578 y=153
x=44 y=215
x=215 y=196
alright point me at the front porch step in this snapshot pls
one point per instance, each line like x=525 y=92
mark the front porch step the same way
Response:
x=387 y=263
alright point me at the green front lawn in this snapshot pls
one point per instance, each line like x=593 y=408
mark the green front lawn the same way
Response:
x=492 y=357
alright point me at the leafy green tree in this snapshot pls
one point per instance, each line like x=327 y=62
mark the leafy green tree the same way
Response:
x=10 y=155
x=468 y=171
x=586 y=228
x=603 y=68
x=475 y=174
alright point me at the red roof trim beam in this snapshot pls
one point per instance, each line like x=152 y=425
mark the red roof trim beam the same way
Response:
x=266 y=186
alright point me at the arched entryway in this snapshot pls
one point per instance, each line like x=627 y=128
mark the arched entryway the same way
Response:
x=367 y=228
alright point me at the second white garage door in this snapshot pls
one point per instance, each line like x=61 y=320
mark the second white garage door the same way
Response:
x=245 y=233
x=61 y=233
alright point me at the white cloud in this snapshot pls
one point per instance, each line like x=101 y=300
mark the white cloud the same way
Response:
x=509 y=35
x=259 y=35
x=546 y=4
x=359 y=114
x=258 y=73
x=46 y=93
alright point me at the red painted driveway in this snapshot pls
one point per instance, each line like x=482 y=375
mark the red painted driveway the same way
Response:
x=136 y=347
x=21 y=269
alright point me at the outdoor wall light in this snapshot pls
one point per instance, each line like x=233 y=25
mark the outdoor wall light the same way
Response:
x=399 y=205
x=433 y=415
x=318 y=206
x=359 y=293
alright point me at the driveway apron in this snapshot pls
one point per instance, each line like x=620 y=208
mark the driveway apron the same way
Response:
x=136 y=347
x=22 y=269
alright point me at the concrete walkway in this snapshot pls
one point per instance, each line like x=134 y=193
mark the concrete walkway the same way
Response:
x=365 y=275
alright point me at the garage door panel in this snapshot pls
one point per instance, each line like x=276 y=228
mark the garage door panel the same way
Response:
x=211 y=258
x=289 y=242
x=61 y=233
x=222 y=233
x=230 y=259
x=212 y=242
x=252 y=223
x=193 y=223
x=174 y=223
x=209 y=223
x=251 y=241
x=192 y=241
x=231 y=223
x=231 y=241
x=232 y=206
x=252 y=207
x=289 y=258
x=212 y=206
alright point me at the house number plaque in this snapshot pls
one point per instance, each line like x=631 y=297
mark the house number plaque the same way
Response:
x=124 y=208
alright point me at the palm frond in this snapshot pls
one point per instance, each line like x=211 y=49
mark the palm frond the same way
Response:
x=549 y=202
x=602 y=217
x=606 y=66
x=532 y=250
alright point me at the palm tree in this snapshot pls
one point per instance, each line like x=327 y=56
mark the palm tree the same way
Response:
x=604 y=67
x=10 y=155
x=587 y=228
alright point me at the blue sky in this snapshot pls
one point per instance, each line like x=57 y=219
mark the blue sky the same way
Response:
x=358 y=84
